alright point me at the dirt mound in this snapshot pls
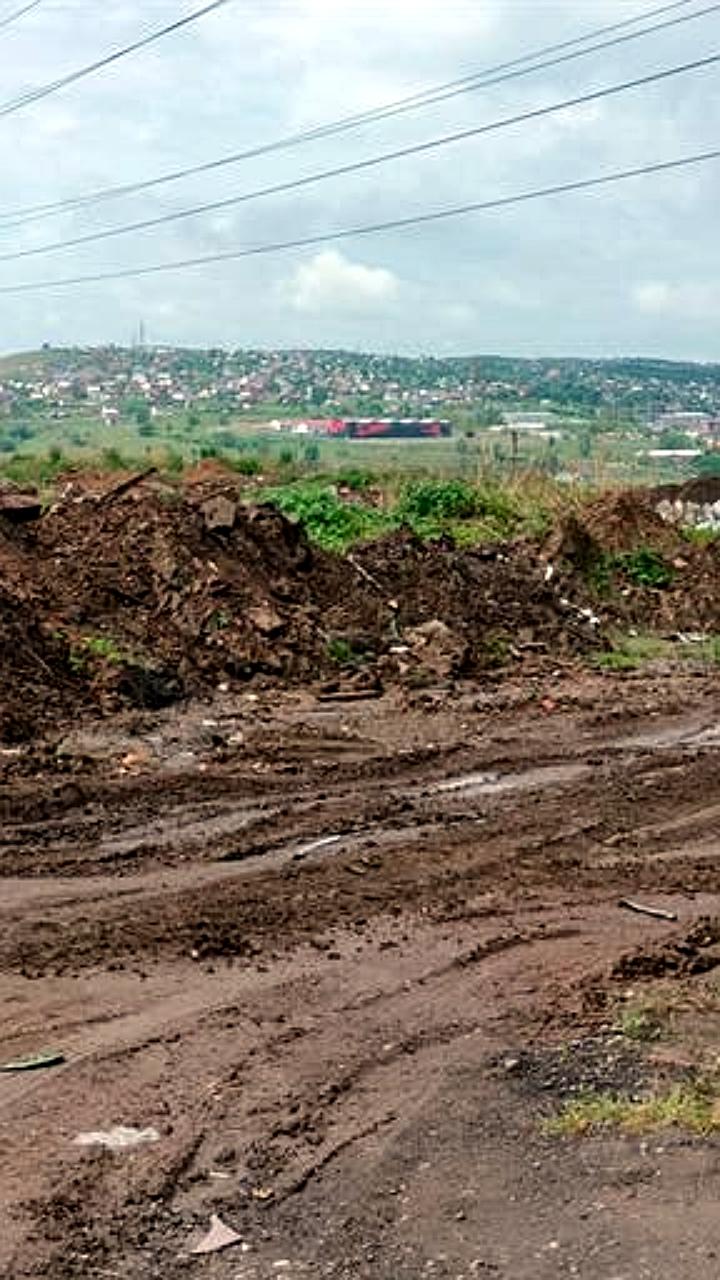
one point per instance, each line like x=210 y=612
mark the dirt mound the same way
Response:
x=139 y=593
x=613 y=525
x=145 y=592
x=497 y=600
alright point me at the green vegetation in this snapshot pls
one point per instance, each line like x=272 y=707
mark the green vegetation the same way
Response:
x=645 y=567
x=690 y=1106
x=632 y=652
x=329 y=521
x=82 y=650
x=430 y=508
x=643 y=1021
x=344 y=652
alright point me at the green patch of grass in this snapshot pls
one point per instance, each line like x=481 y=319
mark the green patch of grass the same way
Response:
x=691 y=1106
x=702 y=537
x=343 y=652
x=629 y=653
x=82 y=649
x=641 y=1022
x=334 y=524
x=632 y=652
x=103 y=647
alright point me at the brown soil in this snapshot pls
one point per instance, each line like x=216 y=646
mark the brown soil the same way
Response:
x=130 y=592
x=345 y=958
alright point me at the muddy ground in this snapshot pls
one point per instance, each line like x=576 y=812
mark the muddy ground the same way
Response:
x=345 y=958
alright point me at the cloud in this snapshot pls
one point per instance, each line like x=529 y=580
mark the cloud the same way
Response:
x=682 y=301
x=548 y=277
x=331 y=282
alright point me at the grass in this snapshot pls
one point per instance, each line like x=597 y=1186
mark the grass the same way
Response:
x=631 y=652
x=472 y=514
x=82 y=649
x=642 y=1022
x=690 y=1106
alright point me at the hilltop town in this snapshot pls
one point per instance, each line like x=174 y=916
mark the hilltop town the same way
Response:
x=110 y=380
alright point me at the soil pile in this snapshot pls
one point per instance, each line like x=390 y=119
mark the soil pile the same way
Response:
x=140 y=593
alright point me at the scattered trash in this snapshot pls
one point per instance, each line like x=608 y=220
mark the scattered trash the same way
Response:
x=220 y=1236
x=350 y=695
x=117 y=1139
x=313 y=845
x=37 y=1062
x=262 y=1193
x=656 y=912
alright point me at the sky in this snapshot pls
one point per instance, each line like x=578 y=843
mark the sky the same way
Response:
x=632 y=269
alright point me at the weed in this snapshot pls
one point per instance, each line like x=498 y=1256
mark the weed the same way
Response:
x=692 y=1106
x=342 y=652
x=645 y=567
x=334 y=524
x=641 y=1022
x=437 y=500
x=219 y=620
x=355 y=479
x=247 y=466
x=497 y=649
x=631 y=652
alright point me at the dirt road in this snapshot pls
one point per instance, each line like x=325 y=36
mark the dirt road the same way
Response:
x=326 y=952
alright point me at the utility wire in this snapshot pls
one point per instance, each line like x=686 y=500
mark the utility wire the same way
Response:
x=429 y=97
x=44 y=91
x=433 y=144
x=19 y=13
x=348 y=233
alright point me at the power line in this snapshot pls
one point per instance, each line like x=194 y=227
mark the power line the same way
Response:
x=44 y=91
x=19 y=13
x=371 y=162
x=429 y=97
x=348 y=233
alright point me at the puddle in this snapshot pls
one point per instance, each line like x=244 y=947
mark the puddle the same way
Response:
x=705 y=736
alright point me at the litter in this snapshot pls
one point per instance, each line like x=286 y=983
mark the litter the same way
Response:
x=657 y=913
x=36 y=1063
x=220 y=1236
x=118 y=1139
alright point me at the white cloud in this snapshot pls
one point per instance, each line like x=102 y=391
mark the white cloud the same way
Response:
x=331 y=282
x=681 y=301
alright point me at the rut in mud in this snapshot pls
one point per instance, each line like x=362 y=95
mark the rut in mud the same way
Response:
x=310 y=963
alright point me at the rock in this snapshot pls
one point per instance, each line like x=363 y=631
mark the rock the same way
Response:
x=219 y=514
x=265 y=619
x=436 y=648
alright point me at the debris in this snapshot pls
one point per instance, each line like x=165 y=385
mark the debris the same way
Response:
x=265 y=619
x=437 y=649
x=219 y=514
x=313 y=845
x=19 y=506
x=656 y=912
x=118 y=1139
x=262 y=1194
x=350 y=695
x=35 y=1063
x=220 y=1236
x=119 y=490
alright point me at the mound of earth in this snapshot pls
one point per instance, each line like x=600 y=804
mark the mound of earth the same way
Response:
x=139 y=593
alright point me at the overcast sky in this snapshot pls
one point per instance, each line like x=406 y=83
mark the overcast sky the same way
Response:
x=633 y=269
